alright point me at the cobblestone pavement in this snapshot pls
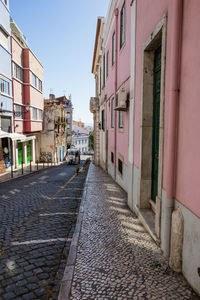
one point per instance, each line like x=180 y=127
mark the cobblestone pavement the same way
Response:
x=117 y=259
x=38 y=215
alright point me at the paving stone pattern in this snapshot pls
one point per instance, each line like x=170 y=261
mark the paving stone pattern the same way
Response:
x=117 y=259
x=35 y=235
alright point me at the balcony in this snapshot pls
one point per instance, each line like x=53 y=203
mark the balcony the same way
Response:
x=94 y=104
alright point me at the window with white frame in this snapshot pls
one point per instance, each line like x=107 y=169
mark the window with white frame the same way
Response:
x=113 y=48
x=18 y=72
x=104 y=70
x=100 y=80
x=34 y=113
x=18 y=111
x=40 y=114
x=40 y=84
x=112 y=112
x=122 y=26
x=121 y=119
x=34 y=80
x=3 y=39
x=107 y=63
x=4 y=86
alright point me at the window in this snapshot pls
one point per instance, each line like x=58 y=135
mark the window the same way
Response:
x=121 y=119
x=5 y=1
x=120 y=166
x=112 y=112
x=18 y=111
x=103 y=120
x=112 y=157
x=113 y=48
x=68 y=115
x=34 y=110
x=4 y=86
x=34 y=80
x=40 y=114
x=100 y=80
x=107 y=63
x=18 y=72
x=104 y=69
x=3 y=39
x=40 y=85
x=122 y=26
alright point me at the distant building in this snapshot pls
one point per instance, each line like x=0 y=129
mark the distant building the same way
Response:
x=27 y=74
x=78 y=123
x=6 y=104
x=81 y=142
x=68 y=107
x=53 y=137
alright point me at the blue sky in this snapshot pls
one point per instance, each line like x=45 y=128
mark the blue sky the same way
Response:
x=62 y=33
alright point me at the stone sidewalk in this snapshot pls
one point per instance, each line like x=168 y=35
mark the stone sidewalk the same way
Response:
x=116 y=258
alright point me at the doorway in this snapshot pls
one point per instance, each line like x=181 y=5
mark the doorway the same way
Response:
x=156 y=123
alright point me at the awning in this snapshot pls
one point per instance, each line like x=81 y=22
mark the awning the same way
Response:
x=16 y=136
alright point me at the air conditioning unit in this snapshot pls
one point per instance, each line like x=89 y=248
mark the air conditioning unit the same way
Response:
x=121 y=103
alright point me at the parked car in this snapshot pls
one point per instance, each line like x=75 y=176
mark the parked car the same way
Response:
x=89 y=152
x=73 y=156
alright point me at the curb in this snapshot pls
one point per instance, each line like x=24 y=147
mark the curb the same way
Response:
x=66 y=282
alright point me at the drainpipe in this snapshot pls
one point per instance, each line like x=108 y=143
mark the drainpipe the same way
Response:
x=175 y=56
x=11 y=46
x=116 y=61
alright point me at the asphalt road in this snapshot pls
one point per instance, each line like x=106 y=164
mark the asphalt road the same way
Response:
x=38 y=217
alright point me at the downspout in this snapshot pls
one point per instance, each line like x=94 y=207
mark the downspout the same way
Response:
x=12 y=83
x=174 y=92
x=116 y=61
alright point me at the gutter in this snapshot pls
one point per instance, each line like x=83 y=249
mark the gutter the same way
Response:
x=175 y=63
x=116 y=66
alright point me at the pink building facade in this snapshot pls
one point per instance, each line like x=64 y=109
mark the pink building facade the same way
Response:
x=111 y=66
x=157 y=70
x=27 y=73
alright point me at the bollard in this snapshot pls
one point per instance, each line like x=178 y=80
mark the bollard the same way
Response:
x=51 y=162
x=37 y=164
x=11 y=170
x=77 y=169
x=30 y=167
x=22 y=168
